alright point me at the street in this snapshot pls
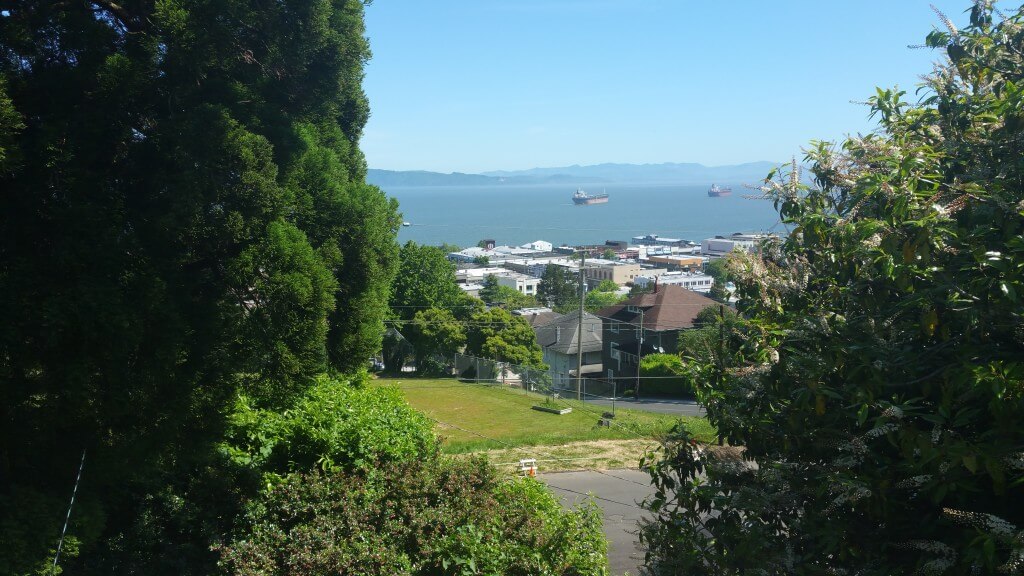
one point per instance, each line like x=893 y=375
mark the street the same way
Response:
x=618 y=493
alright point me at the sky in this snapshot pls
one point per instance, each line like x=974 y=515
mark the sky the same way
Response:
x=478 y=85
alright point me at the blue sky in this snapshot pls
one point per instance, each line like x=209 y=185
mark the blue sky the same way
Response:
x=477 y=85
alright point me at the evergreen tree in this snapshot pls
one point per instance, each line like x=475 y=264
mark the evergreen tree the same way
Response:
x=184 y=212
x=558 y=288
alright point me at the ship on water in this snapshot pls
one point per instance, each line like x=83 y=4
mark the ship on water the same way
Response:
x=717 y=191
x=581 y=198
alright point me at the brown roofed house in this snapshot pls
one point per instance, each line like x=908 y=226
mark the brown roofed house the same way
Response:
x=664 y=313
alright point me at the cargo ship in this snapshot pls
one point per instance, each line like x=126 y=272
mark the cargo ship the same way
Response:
x=717 y=191
x=583 y=199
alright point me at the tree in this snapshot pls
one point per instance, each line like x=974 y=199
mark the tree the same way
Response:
x=877 y=393
x=504 y=296
x=609 y=254
x=185 y=217
x=636 y=290
x=603 y=296
x=498 y=335
x=718 y=270
x=481 y=260
x=558 y=289
x=435 y=332
x=426 y=279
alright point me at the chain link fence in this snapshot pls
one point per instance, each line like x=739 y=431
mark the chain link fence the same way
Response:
x=473 y=369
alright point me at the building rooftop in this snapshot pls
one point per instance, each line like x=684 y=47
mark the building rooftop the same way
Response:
x=670 y=308
x=561 y=335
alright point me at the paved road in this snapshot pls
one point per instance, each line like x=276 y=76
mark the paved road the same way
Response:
x=617 y=492
x=663 y=406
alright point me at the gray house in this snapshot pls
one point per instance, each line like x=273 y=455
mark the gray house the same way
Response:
x=560 y=341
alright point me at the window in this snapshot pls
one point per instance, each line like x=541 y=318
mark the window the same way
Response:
x=613 y=327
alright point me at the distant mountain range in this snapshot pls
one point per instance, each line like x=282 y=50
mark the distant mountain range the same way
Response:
x=668 y=173
x=385 y=178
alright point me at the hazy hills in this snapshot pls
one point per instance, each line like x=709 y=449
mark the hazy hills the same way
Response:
x=669 y=173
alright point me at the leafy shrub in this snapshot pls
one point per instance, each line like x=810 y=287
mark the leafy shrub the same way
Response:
x=879 y=391
x=334 y=425
x=414 y=517
x=664 y=375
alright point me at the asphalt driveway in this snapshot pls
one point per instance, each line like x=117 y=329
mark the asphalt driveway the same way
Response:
x=660 y=405
x=618 y=493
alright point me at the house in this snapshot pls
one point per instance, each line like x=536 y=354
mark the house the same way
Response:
x=537 y=317
x=664 y=314
x=560 y=341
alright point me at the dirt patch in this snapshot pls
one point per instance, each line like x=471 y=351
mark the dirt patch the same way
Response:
x=590 y=455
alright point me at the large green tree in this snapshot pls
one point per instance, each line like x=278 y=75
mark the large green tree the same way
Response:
x=558 y=289
x=426 y=279
x=878 y=392
x=183 y=213
x=498 y=335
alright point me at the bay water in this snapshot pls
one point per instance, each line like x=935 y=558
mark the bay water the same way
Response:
x=515 y=214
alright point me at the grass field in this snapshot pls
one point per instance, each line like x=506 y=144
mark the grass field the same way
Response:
x=478 y=417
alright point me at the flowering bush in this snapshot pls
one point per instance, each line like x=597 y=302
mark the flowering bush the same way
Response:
x=879 y=390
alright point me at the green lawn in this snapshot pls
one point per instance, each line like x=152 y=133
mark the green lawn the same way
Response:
x=469 y=412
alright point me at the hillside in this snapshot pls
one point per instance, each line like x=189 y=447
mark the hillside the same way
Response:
x=675 y=173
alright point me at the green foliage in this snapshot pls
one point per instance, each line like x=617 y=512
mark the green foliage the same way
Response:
x=183 y=203
x=718 y=270
x=558 y=289
x=435 y=331
x=505 y=296
x=511 y=299
x=664 y=375
x=10 y=124
x=287 y=293
x=606 y=286
x=335 y=425
x=481 y=260
x=636 y=290
x=426 y=279
x=878 y=387
x=416 y=517
x=609 y=254
x=498 y=335
x=596 y=300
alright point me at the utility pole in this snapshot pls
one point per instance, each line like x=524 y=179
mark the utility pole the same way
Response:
x=639 y=354
x=579 y=333
x=720 y=360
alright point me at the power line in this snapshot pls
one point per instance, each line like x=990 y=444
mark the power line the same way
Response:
x=594 y=496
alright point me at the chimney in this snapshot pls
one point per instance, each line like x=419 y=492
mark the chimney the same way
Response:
x=558 y=334
x=655 y=284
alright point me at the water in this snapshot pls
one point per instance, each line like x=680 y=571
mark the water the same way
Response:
x=516 y=215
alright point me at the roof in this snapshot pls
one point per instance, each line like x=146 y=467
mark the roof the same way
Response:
x=670 y=308
x=561 y=335
x=538 y=319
